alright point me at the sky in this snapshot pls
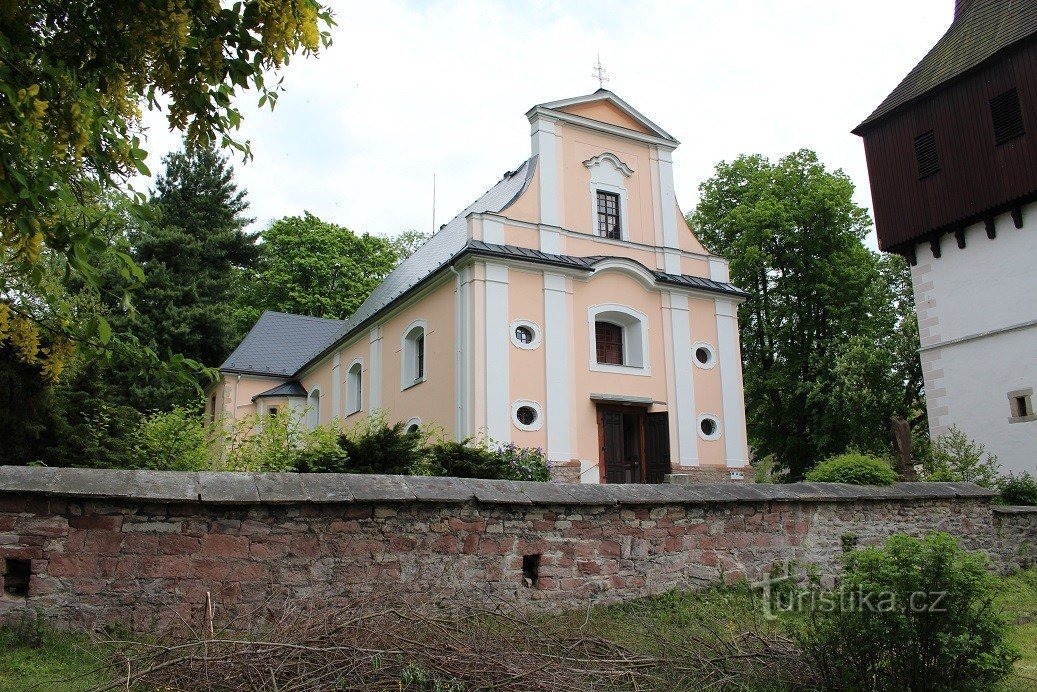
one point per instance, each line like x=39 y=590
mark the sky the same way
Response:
x=412 y=90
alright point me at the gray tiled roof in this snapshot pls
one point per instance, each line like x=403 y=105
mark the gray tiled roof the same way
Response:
x=983 y=29
x=291 y=388
x=279 y=344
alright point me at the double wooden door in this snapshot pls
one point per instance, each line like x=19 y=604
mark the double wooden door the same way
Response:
x=634 y=445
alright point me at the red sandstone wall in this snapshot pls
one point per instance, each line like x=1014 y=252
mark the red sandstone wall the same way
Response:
x=146 y=564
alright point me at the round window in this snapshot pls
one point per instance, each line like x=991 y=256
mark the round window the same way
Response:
x=526 y=415
x=702 y=355
x=524 y=335
x=708 y=427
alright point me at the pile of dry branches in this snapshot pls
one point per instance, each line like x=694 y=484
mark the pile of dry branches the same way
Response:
x=388 y=643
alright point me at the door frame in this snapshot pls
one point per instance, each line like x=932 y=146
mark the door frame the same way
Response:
x=641 y=410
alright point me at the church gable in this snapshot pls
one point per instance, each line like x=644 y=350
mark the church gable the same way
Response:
x=606 y=112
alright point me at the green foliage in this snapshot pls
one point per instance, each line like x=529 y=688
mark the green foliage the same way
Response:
x=190 y=256
x=373 y=446
x=852 y=468
x=1017 y=490
x=312 y=267
x=263 y=443
x=912 y=615
x=522 y=463
x=473 y=459
x=174 y=440
x=828 y=336
x=954 y=457
x=73 y=82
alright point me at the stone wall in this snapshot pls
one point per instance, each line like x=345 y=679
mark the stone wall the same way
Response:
x=145 y=548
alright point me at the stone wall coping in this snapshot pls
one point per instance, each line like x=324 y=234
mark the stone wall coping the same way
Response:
x=236 y=488
x=1014 y=509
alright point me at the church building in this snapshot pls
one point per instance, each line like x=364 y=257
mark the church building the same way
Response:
x=952 y=157
x=570 y=308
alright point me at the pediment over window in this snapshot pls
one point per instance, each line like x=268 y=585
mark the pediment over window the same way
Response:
x=608 y=158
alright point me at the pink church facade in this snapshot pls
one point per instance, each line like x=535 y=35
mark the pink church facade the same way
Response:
x=569 y=308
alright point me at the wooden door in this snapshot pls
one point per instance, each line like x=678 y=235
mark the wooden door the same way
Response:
x=657 y=446
x=621 y=433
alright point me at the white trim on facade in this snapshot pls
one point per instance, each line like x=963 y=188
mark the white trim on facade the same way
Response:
x=313 y=407
x=635 y=326
x=532 y=327
x=493 y=231
x=374 y=380
x=336 y=387
x=463 y=388
x=667 y=206
x=539 y=112
x=536 y=424
x=498 y=420
x=557 y=347
x=735 y=448
x=683 y=404
x=415 y=421
x=545 y=148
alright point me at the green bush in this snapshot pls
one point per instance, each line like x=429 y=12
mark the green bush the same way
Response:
x=174 y=441
x=263 y=443
x=522 y=463
x=855 y=469
x=912 y=615
x=376 y=447
x=954 y=457
x=1018 y=490
x=472 y=459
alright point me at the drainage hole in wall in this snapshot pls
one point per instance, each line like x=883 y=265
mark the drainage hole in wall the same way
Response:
x=16 y=577
x=530 y=570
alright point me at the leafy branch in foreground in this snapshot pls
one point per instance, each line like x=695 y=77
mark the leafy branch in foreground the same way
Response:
x=74 y=78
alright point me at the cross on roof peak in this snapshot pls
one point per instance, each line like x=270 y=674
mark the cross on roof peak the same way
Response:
x=599 y=74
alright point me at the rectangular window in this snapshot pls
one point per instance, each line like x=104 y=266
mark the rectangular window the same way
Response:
x=1007 y=116
x=608 y=340
x=272 y=411
x=925 y=155
x=608 y=215
x=212 y=409
x=1020 y=402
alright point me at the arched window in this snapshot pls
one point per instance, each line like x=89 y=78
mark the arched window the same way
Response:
x=608 y=342
x=619 y=337
x=414 y=364
x=354 y=387
x=313 y=406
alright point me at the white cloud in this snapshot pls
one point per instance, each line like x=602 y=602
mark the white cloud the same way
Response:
x=412 y=89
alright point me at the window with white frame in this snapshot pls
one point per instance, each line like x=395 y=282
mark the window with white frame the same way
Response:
x=313 y=408
x=619 y=339
x=413 y=354
x=354 y=387
x=608 y=195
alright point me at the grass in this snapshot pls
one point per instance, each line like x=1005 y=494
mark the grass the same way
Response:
x=33 y=657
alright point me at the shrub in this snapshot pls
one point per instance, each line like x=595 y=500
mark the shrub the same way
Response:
x=173 y=441
x=912 y=615
x=855 y=469
x=460 y=459
x=522 y=463
x=372 y=446
x=1018 y=490
x=954 y=457
x=320 y=450
x=263 y=443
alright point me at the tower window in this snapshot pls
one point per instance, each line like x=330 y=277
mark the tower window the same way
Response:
x=608 y=215
x=1021 y=404
x=925 y=155
x=1007 y=116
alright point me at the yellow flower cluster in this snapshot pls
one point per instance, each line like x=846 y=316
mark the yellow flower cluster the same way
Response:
x=23 y=335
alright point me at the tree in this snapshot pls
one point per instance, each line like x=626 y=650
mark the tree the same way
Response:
x=407 y=242
x=825 y=334
x=73 y=81
x=312 y=267
x=190 y=257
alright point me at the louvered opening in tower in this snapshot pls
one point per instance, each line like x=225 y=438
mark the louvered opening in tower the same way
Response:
x=1007 y=116
x=925 y=154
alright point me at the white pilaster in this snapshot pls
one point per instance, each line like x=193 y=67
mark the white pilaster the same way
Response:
x=545 y=147
x=557 y=334
x=464 y=353
x=667 y=213
x=731 y=383
x=336 y=387
x=498 y=343
x=374 y=395
x=683 y=406
x=493 y=231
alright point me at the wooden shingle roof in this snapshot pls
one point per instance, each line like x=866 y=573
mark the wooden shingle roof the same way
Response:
x=982 y=30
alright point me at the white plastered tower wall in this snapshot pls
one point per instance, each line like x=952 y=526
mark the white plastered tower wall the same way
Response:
x=977 y=319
